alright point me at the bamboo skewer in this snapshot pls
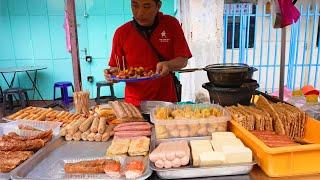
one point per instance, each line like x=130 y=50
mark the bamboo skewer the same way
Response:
x=123 y=62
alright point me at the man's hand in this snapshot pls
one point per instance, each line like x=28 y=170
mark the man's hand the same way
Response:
x=163 y=68
x=107 y=74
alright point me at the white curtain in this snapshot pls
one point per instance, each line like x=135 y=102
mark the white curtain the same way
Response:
x=202 y=22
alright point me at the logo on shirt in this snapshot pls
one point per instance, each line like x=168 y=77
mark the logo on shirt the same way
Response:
x=164 y=38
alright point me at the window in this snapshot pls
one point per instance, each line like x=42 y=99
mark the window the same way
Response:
x=318 y=34
x=247 y=24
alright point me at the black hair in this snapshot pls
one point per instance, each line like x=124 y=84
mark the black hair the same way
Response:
x=157 y=1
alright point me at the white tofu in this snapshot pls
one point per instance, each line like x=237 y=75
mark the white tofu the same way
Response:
x=217 y=145
x=222 y=135
x=198 y=147
x=212 y=158
x=237 y=155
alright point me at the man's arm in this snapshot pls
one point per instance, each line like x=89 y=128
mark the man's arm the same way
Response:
x=165 y=67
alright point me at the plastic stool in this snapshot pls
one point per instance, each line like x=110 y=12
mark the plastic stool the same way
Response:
x=8 y=98
x=112 y=97
x=64 y=92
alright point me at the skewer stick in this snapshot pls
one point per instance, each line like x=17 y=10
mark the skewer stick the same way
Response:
x=118 y=62
x=124 y=66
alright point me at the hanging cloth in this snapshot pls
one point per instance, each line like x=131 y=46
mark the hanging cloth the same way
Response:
x=67 y=31
x=284 y=13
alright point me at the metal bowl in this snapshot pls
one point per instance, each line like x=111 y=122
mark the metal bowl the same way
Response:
x=228 y=74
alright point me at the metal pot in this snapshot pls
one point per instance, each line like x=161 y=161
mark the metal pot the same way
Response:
x=227 y=75
x=232 y=96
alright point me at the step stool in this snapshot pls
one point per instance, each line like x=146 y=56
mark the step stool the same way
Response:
x=65 y=98
x=7 y=96
x=99 y=98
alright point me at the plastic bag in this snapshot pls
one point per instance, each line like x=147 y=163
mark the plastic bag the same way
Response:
x=284 y=13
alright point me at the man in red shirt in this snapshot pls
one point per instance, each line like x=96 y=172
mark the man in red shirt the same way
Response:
x=167 y=41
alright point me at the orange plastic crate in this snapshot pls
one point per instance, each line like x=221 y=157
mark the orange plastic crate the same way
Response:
x=285 y=161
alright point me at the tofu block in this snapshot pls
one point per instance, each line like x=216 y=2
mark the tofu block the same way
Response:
x=217 y=145
x=212 y=158
x=198 y=147
x=222 y=135
x=237 y=155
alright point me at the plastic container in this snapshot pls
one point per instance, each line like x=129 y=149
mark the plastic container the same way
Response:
x=285 y=161
x=41 y=125
x=190 y=127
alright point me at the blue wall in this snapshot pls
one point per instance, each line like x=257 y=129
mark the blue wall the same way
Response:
x=32 y=33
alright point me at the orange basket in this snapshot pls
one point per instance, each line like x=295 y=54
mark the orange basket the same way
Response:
x=285 y=161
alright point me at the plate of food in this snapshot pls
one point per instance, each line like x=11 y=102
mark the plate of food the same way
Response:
x=133 y=74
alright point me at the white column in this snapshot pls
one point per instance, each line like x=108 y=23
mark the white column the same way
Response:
x=202 y=21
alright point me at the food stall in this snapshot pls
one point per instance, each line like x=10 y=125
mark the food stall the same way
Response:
x=260 y=138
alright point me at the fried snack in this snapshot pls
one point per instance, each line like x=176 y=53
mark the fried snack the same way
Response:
x=139 y=146
x=263 y=103
x=77 y=136
x=26 y=127
x=112 y=168
x=86 y=124
x=18 y=145
x=68 y=137
x=97 y=137
x=94 y=125
x=73 y=128
x=90 y=137
x=10 y=159
x=86 y=167
x=102 y=125
x=118 y=147
x=84 y=135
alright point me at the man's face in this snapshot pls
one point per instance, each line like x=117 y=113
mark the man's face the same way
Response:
x=145 y=11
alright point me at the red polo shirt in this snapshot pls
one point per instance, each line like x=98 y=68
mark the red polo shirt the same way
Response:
x=168 y=39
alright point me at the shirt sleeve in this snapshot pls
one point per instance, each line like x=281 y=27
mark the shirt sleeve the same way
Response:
x=180 y=45
x=117 y=51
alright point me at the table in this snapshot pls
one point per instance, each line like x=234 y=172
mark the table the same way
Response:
x=255 y=174
x=27 y=70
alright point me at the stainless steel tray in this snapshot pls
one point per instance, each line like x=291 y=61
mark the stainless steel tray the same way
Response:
x=7 y=175
x=49 y=163
x=196 y=172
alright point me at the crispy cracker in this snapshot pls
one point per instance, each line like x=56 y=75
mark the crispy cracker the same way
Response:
x=264 y=104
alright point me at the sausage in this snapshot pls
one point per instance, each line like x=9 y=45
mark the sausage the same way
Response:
x=176 y=163
x=132 y=133
x=133 y=128
x=167 y=164
x=138 y=114
x=126 y=110
x=114 y=109
x=159 y=164
x=131 y=124
x=121 y=111
x=185 y=160
x=130 y=109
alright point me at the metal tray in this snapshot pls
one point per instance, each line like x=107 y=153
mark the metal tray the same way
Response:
x=197 y=172
x=7 y=175
x=48 y=164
